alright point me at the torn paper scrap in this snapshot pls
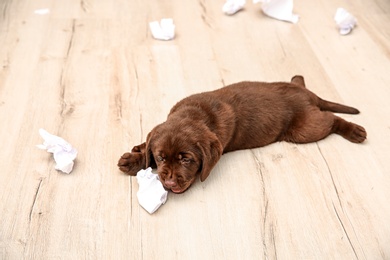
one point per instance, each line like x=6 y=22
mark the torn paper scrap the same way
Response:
x=233 y=6
x=279 y=9
x=345 y=21
x=62 y=151
x=42 y=11
x=163 y=30
x=151 y=194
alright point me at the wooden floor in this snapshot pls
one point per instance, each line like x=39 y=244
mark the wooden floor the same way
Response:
x=90 y=72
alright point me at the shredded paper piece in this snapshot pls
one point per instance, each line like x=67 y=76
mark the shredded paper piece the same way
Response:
x=279 y=9
x=62 y=151
x=151 y=194
x=42 y=11
x=163 y=30
x=233 y=6
x=345 y=21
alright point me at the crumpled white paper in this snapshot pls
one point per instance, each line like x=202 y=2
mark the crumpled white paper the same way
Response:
x=345 y=21
x=151 y=194
x=279 y=9
x=233 y=6
x=163 y=30
x=62 y=151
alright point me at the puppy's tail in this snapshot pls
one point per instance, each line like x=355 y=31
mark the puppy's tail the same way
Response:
x=325 y=105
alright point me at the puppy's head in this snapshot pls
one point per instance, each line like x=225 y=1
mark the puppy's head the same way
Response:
x=182 y=153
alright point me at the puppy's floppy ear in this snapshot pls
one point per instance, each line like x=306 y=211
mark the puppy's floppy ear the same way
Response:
x=148 y=151
x=211 y=151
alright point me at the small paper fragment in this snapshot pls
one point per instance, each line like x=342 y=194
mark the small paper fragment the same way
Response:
x=163 y=30
x=42 y=11
x=233 y=6
x=151 y=194
x=62 y=151
x=345 y=21
x=279 y=9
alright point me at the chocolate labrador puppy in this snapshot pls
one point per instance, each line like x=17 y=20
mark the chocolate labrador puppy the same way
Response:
x=245 y=115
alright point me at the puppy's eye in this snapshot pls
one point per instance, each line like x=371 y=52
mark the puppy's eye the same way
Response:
x=186 y=160
x=160 y=159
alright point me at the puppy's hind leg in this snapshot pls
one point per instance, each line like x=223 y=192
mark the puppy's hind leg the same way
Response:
x=315 y=125
x=299 y=81
x=350 y=131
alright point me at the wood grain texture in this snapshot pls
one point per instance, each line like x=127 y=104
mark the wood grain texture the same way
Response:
x=90 y=72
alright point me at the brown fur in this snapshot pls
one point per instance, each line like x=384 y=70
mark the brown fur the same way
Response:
x=201 y=127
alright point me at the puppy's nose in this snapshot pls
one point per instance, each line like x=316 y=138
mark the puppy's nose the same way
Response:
x=169 y=183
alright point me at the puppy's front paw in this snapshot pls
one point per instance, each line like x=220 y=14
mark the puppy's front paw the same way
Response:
x=131 y=163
